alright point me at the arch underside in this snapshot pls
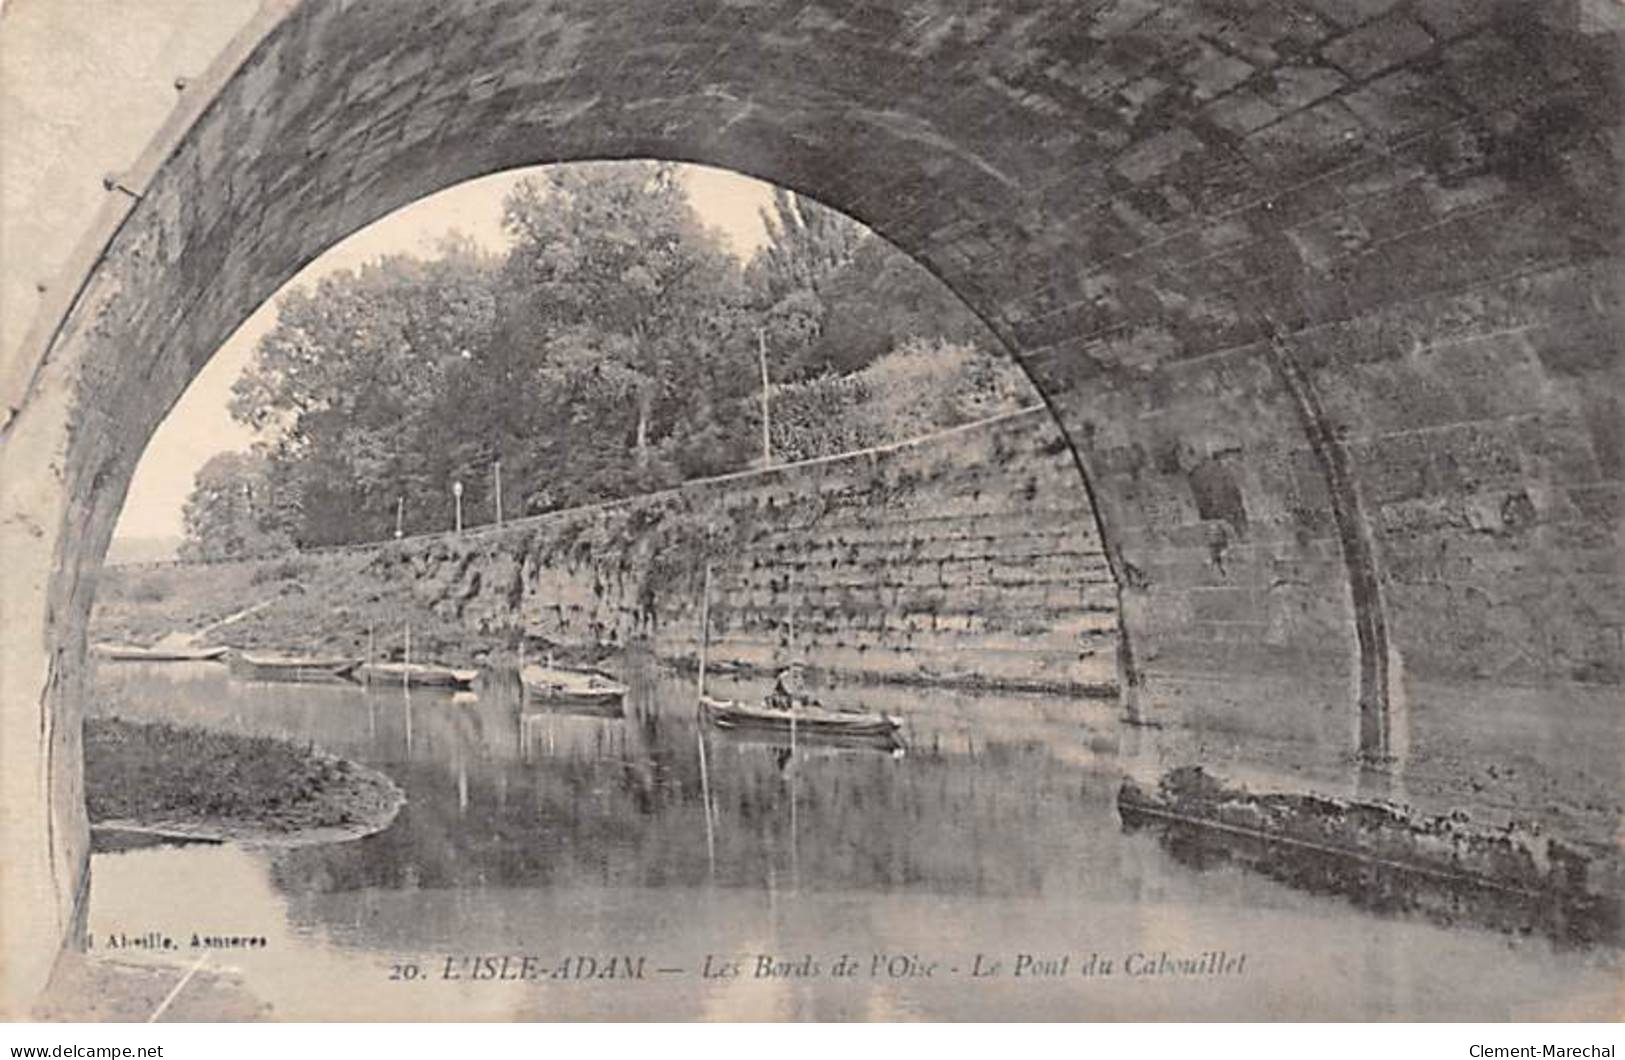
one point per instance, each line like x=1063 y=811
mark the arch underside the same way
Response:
x=1317 y=289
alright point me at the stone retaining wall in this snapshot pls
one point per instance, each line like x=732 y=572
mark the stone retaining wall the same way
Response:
x=965 y=558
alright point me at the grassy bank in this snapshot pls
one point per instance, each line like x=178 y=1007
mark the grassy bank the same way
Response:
x=151 y=776
x=297 y=603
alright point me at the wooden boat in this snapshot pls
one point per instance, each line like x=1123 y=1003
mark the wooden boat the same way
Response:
x=820 y=724
x=415 y=675
x=580 y=708
x=812 y=744
x=157 y=653
x=271 y=667
x=575 y=688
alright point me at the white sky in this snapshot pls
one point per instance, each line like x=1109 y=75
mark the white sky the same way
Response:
x=84 y=84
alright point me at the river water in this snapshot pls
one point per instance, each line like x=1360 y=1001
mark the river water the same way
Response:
x=552 y=866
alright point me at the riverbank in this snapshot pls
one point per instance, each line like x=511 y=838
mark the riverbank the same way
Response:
x=362 y=604
x=154 y=778
x=318 y=605
x=1388 y=857
x=966 y=559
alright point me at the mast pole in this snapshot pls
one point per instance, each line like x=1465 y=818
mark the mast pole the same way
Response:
x=699 y=726
x=705 y=626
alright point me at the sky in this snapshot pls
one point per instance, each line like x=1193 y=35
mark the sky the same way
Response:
x=84 y=84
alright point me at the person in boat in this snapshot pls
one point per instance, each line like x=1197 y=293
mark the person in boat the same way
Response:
x=790 y=689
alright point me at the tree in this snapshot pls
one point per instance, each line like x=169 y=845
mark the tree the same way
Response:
x=612 y=349
x=231 y=511
x=807 y=243
x=807 y=246
x=349 y=381
x=833 y=297
x=617 y=285
x=882 y=300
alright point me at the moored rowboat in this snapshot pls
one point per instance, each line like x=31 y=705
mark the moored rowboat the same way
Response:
x=269 y=667
x=586 y=688
x=581 y=708
x=809 y=721
x=415 y=675
x=136 y=653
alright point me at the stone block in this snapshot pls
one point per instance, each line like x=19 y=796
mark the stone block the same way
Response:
x=1404 y=103
x=1082 y=145
x=1296 y=85
x=1378 y=45
x=1351 y=12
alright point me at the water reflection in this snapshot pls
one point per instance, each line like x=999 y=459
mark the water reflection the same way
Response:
x=532 y=831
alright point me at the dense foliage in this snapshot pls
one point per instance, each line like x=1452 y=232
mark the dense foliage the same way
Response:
x=919 y=387
x=230 y=512
x=612 y=349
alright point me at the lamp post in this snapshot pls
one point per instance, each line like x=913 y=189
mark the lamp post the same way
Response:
x=400 y=517
x=496 y=471
x=457 y=494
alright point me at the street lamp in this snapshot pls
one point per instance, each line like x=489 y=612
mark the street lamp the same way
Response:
x=496 y=471
x=457 y=493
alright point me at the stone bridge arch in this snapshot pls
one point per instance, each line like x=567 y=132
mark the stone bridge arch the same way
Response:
x=1318 y=290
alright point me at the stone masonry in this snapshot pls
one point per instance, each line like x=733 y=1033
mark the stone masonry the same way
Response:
x=1319 y=290
x=965 y=558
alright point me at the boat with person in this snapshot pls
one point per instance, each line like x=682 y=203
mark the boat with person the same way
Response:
x=814 y=723
x=573 y=688
x=789 y=711
x=416 y=675
x=257 y=666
